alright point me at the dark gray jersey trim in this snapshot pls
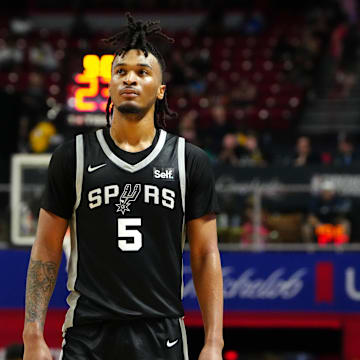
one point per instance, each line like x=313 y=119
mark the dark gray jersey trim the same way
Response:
x=182 y=170
x=184 y=339
x=182 y=180
x=73 y=297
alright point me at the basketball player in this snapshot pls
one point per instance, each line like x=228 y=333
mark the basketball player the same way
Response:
x=127 y=191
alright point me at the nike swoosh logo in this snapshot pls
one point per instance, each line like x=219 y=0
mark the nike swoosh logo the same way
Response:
x=91 y=169
x=172 y=343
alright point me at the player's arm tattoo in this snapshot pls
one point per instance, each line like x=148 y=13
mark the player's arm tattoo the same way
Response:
x=40 y=283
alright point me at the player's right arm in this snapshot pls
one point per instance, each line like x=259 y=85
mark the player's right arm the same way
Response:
x=56 y=208
x=41 y=278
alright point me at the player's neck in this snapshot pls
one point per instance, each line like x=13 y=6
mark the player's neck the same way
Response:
x=133 y=135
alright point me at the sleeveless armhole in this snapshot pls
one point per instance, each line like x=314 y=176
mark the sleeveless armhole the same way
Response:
x=182 y=180
x=182 y=170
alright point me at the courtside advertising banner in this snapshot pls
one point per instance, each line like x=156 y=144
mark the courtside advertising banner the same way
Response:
x=271 y=281
x=285 y=281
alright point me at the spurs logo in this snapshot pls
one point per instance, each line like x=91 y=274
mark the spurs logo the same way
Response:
x=127 y=197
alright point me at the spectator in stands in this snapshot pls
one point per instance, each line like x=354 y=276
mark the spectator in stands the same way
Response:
x=346 y=75
x=187 y=127
x=178 y=68
x=250 y=152
x=199 y=60
x=21 y=25
x=33 y=107
x=219 y=127
x=301 y=52
x=253 y=24
x=190 y=135
x=229 y=153
x=196 y=83
x=346 y=154
x=14 y=352
x=189 y=71
x=188 y=120
x=80 y=27
x=305 y=58
x=214 y=22
x=328 y=217
x=10 y=55
x=243 y=95
x=42 y=56
x=40 y=137
x=351 y=8
x=285 y=48
x=304 y=155
x=337 y=38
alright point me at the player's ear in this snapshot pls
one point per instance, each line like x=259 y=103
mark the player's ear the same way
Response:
x=161 y=92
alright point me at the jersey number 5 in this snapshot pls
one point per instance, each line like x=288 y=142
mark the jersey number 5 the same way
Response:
x=126 y=234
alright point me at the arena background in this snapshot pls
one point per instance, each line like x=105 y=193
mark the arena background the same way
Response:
x=270 y=89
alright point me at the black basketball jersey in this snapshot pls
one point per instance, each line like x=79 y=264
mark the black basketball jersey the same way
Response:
x=127 y=232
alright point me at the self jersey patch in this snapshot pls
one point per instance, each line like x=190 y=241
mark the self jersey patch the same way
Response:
x=164 y=173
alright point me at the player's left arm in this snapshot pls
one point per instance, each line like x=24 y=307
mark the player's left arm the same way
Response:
x=207 y=276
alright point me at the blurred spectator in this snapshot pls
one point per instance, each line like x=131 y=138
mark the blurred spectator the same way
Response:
x=304 y=155
x=213 y=23
x=41 y=135
x=348 y=62
x=190 y=70
x=301 y=50
x=285 y=48
x=253 y=24
x=346 y=154
x=305 y=57
x=188 y=120
x=190 y=135
x=199 y=60
x=34 y=107
x=11 y=56
x=318 y=20
x=243 y=95
x=178 y=68
x=337 y=36
x=250 y=152
x=21 y=26
x=42 y=56
x=196 y=83
x=327 y=220
x=229 y=153
x=14 y=352
x=80 y=27
x=351 y=7
x=219 y=127
x=187 y=127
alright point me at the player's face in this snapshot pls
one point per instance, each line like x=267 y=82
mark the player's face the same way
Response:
x=136 y=82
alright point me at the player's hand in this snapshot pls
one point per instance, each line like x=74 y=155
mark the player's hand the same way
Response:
x=211 y=352
x=37 y=350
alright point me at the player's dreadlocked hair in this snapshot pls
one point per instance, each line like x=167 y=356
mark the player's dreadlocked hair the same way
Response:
x=135 y=36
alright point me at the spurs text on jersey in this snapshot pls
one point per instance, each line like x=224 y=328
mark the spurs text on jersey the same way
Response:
x=125 y=196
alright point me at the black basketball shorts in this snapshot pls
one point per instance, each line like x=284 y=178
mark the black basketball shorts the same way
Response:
x=145 y=339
